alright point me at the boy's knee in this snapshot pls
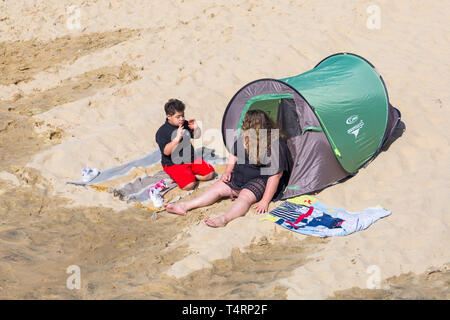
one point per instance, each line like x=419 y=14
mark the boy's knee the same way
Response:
x=206 y=177
x=190 y=186
x=210 y=175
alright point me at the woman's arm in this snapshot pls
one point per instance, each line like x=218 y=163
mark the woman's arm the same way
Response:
x=271 y=187
x=232 y=159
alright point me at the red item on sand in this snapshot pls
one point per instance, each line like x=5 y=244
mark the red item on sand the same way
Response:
x=183 y=174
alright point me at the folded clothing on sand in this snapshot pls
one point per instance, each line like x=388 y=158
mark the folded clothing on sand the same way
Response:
x=131 y=181
x=147 y=161
x=307 y=215
x=137 y=190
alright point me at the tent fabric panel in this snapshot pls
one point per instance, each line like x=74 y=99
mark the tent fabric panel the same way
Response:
x=312 y=172
x=341 y=89
x=314 y=165
x=305 y=117
x=306 y=114
x=393 y=121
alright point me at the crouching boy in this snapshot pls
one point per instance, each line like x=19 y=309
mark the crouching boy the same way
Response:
x=177 y=152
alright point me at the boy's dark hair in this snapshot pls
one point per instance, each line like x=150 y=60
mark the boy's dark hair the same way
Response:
x=172 y=106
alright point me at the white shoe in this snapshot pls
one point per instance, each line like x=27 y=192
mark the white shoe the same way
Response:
x=155 y=197
x=89 y=174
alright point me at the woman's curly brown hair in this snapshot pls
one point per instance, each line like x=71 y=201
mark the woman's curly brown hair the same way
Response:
x=254 y=121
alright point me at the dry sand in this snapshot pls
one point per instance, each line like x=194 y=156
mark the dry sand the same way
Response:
x=90 y=91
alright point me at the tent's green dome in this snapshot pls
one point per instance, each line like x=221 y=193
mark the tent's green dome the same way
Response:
x=350 y=100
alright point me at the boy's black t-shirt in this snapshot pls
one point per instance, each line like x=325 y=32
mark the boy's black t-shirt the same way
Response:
x=165 y=134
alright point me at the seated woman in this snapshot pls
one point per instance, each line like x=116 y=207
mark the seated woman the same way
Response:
x=255 y=176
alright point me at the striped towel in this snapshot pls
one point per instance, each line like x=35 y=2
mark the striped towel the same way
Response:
x=307 y=215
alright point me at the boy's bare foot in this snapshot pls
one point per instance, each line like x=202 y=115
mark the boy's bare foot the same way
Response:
x=177 y=208
x=219 y=221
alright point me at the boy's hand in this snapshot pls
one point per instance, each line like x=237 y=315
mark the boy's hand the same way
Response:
x=180 y=132
x=261 y=206
x=192 y=124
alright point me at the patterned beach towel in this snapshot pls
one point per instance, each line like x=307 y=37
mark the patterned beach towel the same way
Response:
x=307 y=215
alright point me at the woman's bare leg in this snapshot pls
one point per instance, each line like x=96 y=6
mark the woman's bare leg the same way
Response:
x=217 y=191
x=238 y=209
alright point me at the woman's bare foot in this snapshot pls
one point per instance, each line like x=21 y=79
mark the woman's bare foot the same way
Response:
x=219 y=221
x=177 y=208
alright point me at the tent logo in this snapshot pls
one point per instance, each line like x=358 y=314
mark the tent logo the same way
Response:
x=351 y=119
x=355 y=130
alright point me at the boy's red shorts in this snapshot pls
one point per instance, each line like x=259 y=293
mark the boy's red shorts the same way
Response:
x=183 y=174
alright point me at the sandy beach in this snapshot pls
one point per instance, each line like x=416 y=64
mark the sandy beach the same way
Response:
x=83 y=83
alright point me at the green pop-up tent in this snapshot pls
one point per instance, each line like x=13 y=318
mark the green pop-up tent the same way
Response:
x=336 y=117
